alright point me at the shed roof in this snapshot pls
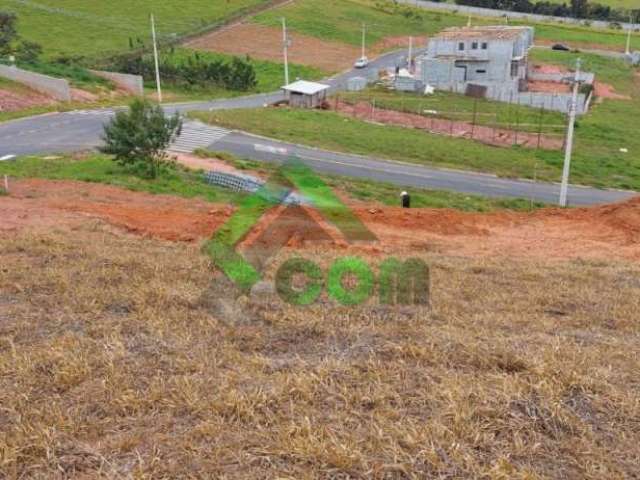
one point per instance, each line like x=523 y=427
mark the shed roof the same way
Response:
x=306 y=88
x=492 y=33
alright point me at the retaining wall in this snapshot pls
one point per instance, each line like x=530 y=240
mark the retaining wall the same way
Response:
x=58 y=88
x=131 y=83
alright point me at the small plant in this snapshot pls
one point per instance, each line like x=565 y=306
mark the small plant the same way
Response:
x=140 y=136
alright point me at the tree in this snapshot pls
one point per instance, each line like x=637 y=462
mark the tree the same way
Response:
x=8 y=32
x=141 y=135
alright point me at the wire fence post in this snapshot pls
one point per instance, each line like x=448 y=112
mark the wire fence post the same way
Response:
x=540 y=126
x=517 y=122
x=451 y=123
x=475 y=116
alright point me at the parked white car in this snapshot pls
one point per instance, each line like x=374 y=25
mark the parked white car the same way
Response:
x=362 y=62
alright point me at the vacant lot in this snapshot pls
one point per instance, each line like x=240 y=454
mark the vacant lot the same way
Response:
x=77 y=27
x=123 y=356
x=265 y=43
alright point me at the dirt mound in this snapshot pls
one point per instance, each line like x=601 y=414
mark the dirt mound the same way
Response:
x=548 y=87
x=609 y=231
x=604 y=90
x=64 y=203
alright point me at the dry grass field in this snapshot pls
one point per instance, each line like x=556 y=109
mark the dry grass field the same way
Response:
x=127 y=357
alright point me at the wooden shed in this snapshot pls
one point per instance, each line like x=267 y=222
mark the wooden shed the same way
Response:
x=303 y=94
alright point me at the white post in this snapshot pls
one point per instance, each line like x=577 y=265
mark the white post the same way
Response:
x=285 y=43
x=155 y=56
x=569 y=142
x=6 y=183
x=364 y=39
x=628 y=49
x=410 y=54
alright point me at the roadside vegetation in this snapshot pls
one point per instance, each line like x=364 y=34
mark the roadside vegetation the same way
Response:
x=97 y=168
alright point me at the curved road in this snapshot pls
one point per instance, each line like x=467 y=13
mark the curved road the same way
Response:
x=81 y=130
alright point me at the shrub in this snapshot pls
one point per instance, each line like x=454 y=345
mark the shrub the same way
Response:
x=140 y=136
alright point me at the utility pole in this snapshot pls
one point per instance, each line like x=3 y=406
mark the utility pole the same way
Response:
x=285 y=46
x=569 y=142
x=155 y=57
x=628 y=50
x=364 y=39
x=410 y=54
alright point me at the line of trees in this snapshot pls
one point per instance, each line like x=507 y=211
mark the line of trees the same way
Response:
x=575 y=8
x=193 y=71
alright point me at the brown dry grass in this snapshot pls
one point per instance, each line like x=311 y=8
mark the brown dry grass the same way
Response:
x=123 y=357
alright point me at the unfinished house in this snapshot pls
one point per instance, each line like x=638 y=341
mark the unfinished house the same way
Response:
x=489 y=62
x=480 y=55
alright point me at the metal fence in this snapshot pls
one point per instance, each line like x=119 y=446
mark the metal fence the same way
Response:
x=233 y=182
x=500 y=124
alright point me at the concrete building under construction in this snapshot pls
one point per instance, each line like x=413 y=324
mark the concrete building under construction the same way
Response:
x=489 y=62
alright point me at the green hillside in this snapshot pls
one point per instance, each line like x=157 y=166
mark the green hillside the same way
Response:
x=81 y=27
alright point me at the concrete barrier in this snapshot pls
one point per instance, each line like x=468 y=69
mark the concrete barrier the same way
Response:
x=131 y=83
x=58 y=88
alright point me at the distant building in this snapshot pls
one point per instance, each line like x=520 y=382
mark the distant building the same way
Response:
x=303 y=94
x=490 y=62
x=480 y=55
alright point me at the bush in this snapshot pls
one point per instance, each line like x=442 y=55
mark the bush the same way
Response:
x=193 y=71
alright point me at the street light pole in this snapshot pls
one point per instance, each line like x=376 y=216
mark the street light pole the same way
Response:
x=628 y=49
x=569 y=142
x=364 y=39
x=155 y=57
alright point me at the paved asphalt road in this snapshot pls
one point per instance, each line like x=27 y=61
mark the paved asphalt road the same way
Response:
x=80 y=130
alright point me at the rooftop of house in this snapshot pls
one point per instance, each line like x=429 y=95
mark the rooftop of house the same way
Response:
x=306 y=88
x=491 y=33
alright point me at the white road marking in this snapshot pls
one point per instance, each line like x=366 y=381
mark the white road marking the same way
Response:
x=270 y=149
x=197 y=135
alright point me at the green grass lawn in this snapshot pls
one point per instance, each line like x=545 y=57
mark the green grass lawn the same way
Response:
x=101 y=169
x=341 y=21
x=89 y=27
x=608 y=127
x=460 y=107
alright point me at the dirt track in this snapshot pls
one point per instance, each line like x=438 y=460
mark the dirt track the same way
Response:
x=611 y=232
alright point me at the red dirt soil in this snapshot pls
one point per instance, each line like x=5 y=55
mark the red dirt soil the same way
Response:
x=56 y=203
x=606 y=232
x=13 y=101
x=265 y=43
x=498 y=137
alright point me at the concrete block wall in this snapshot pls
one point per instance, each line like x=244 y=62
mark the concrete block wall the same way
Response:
x=58 y=88
x=131 y=83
